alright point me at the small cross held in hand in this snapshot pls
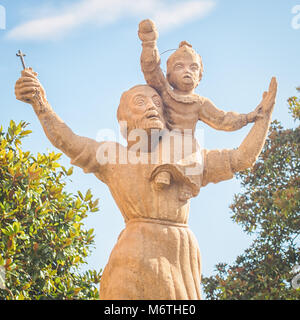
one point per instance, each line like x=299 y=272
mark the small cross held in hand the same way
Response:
x=21 y=55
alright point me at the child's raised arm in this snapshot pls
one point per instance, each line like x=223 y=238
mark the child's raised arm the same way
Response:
x=150 y=59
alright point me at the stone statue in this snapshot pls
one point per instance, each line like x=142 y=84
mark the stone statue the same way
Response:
x=182 y=107
x=156 y=255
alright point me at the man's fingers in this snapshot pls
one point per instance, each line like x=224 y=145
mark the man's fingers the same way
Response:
x=32 y=71
x=26 y=73
x=24 y=79
x=259 y=108
x=27 y=79
x=273 y=85
x=270 y=95
x=26 y=90
x=265 y=94
x=29 y=73
x=274 y=81
x=26 y=85
x=26 y=82
x=25 y=97
x=273 y=90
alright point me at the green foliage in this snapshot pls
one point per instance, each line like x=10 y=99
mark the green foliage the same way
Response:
x=42 y=239
x=268 y=207
x=294 y=106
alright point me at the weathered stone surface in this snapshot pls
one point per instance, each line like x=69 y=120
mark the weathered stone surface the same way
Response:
x=156 y=255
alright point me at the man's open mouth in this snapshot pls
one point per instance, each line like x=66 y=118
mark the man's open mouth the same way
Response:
x=152 y=115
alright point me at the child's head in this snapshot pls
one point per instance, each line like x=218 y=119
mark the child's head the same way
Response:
x=184 y=68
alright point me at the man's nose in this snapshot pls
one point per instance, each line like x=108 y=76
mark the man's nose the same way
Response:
x=151 y=105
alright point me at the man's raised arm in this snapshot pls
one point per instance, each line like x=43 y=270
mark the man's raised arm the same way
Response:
x=150 y=59
x=28 y=89
x=222 y=164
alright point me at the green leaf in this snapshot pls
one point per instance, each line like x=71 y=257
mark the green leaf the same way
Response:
x=88 y=195
x=70 y=171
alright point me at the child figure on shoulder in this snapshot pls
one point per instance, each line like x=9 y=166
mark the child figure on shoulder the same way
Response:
x=183 y=108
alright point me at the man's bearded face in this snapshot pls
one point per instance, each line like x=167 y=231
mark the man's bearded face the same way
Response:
x=146 y=108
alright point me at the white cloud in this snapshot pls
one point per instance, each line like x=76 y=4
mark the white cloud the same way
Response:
x=166 y=14
x=181 y=13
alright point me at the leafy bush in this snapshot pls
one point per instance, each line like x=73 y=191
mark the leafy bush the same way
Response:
x=269 y=207
x=43 y=242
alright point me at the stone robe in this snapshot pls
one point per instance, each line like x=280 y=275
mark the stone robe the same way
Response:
x=156 y=255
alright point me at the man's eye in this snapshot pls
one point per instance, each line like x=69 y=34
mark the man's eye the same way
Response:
x=156 y=101
x=139 y=101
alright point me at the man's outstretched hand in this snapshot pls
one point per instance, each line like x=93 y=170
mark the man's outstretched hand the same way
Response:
x=267 y=104
x=269 y=97
x=28 y=87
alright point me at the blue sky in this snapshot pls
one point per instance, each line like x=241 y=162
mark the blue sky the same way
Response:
x=87 y=53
